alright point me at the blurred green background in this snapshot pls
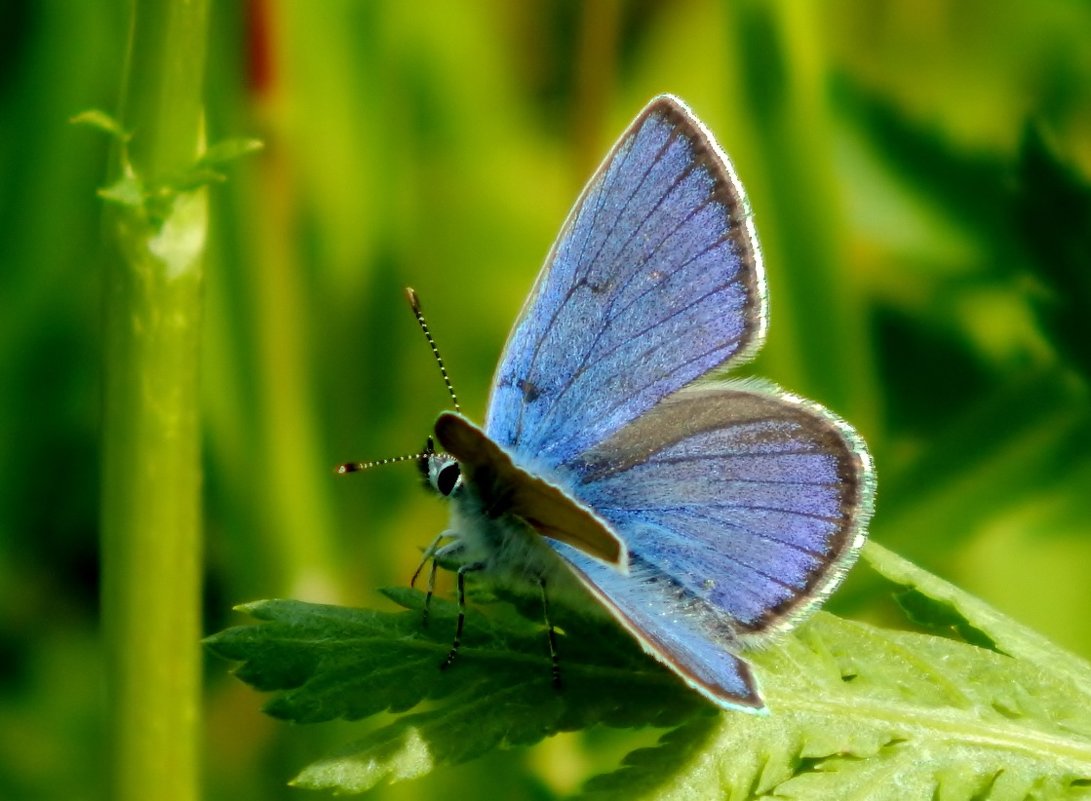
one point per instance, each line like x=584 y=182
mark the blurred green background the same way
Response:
x=919 y=177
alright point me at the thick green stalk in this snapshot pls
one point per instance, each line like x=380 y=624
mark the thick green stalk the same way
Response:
x=151 y=509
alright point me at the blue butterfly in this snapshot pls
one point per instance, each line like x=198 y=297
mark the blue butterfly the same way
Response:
x=706 y=517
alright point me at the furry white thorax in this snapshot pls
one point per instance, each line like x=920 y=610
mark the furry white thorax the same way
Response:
x=509 y=552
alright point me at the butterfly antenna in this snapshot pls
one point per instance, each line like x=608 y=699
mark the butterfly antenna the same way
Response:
x=356 y=467
x=414 y=304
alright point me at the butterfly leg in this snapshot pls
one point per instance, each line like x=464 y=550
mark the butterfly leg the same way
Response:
x=552 y=635
x=431 y=590
x=430 y=553
x=462 y=571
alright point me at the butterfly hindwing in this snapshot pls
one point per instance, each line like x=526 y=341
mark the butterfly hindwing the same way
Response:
x=741 y=507
x=751 y=500
x=656 y=279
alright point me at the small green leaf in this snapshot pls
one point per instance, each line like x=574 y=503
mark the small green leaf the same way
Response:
x=196 y=177
x=207 y=169
x=228 y=150
x=125 y=191
x=96 y=118
x=156 y=200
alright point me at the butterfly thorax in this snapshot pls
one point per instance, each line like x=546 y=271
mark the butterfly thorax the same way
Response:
x=485 y=536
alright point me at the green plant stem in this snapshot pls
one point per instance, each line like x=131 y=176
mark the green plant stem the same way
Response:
x=151 y=510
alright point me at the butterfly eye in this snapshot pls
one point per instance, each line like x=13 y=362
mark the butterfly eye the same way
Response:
x=441 y=471
x=449 y=479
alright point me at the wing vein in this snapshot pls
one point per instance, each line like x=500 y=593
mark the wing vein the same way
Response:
x=602 y=507
x=579 y=270
x=612 y=314
x=627 y=398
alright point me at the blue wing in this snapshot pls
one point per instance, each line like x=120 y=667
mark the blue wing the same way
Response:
x=655 y=279
x=750 y=499
x=677 y=629
x=741 y=506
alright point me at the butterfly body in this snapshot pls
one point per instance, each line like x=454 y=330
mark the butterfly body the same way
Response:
x=705 y=517
x=501 y=546
x=498 y=513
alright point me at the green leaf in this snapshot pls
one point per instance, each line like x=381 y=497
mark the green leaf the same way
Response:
x=856 y=710
x=200 y=175
x=1011 y=638
x=863 y=712
x=155 y=201
x=125 y=191
x=96 y=118
x=941 y=618
x=866 y=744
x=205 y=170
x=650 y=772
x=332 y=662
x=228 y=150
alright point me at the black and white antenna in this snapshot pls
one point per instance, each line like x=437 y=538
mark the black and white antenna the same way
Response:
x=355 y=467
x=414 y=304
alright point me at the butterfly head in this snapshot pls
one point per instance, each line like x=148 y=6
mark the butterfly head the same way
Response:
x=440 y=471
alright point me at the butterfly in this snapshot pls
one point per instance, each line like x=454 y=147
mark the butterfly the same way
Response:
x=706 y=517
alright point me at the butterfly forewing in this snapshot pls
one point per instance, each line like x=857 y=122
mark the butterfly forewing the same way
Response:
x=655 y=279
